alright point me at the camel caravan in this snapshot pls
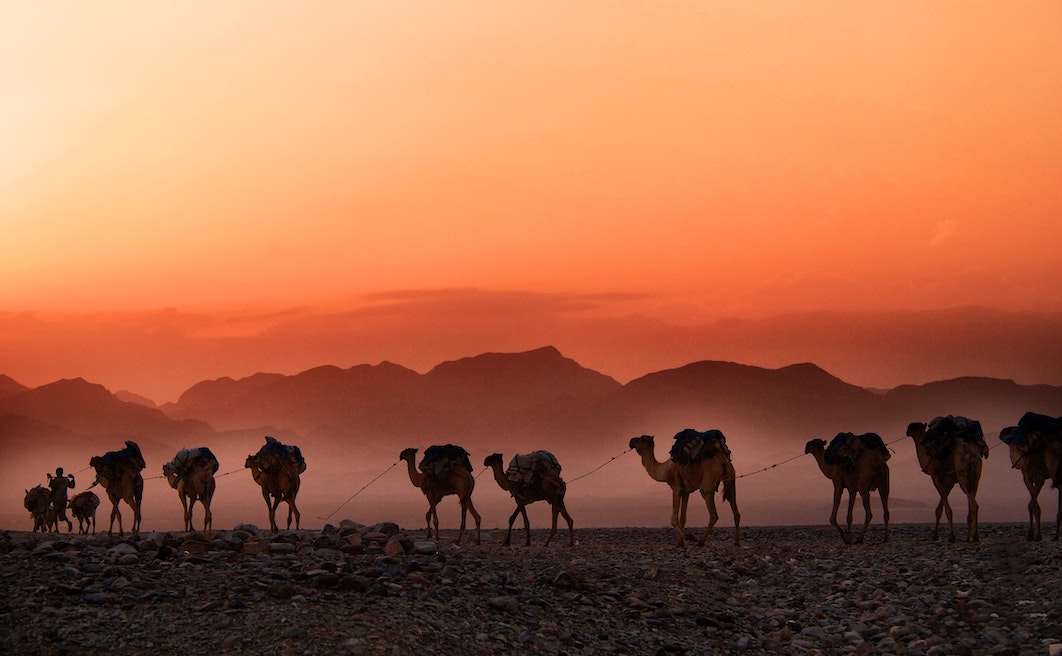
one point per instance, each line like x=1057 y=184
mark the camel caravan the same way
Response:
x=949 y=449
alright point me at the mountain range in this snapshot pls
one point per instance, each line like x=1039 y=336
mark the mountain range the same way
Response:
x=491 y=402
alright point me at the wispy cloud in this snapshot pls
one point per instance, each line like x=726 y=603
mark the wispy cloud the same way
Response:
x=942 y=232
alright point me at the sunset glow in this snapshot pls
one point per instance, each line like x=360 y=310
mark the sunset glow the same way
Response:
x=208 y=170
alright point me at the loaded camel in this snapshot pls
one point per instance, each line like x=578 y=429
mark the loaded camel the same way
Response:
x=866 y=472
x=83 y=506
x=119 y=474
x=276 y=468
x=444 y=471
x=191 y=473
x=38 y=502
x=684 y=479
x=1036 y=449
x=950 y=458
x=530 y=478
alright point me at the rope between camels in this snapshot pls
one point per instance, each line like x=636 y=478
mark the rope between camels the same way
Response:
x=601 y=466
x=378 y=476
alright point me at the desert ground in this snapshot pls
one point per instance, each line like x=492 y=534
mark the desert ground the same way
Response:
x=382 y=589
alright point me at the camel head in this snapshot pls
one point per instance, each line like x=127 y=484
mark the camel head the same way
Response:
x=493 y=459
x=94 y=462
x=251 y=462
x=408 y=454
x=642 y=444
x=170 y=473
x=814 y=445
x=916 y=430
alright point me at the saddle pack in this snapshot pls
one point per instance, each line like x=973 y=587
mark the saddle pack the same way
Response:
x=524 y=467
x=694 y=446
x=440 y=458
x=846 y=449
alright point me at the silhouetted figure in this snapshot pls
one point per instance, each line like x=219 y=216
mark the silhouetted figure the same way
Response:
x=60 y=484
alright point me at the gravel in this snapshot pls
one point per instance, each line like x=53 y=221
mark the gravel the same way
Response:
x=352 y=589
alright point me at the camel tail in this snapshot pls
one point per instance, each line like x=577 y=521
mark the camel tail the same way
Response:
x=730 y=484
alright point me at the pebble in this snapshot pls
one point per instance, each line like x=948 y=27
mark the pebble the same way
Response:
x=621 y=591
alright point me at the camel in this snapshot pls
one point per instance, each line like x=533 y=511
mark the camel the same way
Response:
x=703 y=476
x=38 y=502
x=119 y=474
x=191 y=473
x=1036 y=449
x=958 y=463
x=276 y=468
x=870 y=472
x=541 y=483
x=83 y=506
x=435 y=485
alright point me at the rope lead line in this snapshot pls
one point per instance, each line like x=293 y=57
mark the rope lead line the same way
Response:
x=599 y=466
x=378 y=476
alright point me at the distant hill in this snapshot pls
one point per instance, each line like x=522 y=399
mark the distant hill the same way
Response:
x=9 y=386
x=351 y=423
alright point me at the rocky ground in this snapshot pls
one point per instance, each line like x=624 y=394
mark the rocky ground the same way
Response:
x=351 y=589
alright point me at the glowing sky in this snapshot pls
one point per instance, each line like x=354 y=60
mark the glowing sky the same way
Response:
x=737 y=159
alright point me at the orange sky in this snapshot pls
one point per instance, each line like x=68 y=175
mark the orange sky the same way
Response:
x=691 y=159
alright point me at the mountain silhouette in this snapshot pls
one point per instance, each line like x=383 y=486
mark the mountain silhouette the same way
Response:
x=352 y=422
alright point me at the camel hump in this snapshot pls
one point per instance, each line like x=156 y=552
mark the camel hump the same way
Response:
x=524 y=467
x=111 y=464
x=694 y=446
x=845 y=449
x=440 y=458
x=275 y=454
x=86 y=501
x=1033 y=431
x=944 y=432
x=187 y=460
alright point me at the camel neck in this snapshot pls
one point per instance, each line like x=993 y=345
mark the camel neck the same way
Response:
x=500 y=477
x=416 y=477
x=657 y=470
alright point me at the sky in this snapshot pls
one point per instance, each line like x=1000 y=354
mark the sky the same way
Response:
x=193 y=190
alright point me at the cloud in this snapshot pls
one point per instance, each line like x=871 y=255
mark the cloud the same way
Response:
x=942 y=232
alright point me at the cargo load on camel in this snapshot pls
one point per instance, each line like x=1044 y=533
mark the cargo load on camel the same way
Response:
x=187 y=460
x=275 y=454
x=1033 y=431
x=846 y=448
x=524 y=467
x=112 y=464
x=694 y=446
x=439 y=459
x=942 y=433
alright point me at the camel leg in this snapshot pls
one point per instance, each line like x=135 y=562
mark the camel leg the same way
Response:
x=1058 y=517
x=865 y=496
x=553 y=525
x=837 y=492
x=527 y=527
x=208 y=517
x=512 y=519
x=713 y=515
x=730 y=495
x=972 y=533
x=559 y=509
x=115 y=514
x=1034 y=534
x=676 y=504
x=293 y=510
x=476 y=516
x=273 y=505
x=883 y=493
x=189 y=505
x=427 y=519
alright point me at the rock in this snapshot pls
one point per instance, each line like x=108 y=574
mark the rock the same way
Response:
x=394 y=548
x=425 y=547
x=281 y=548
x=506 y=603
